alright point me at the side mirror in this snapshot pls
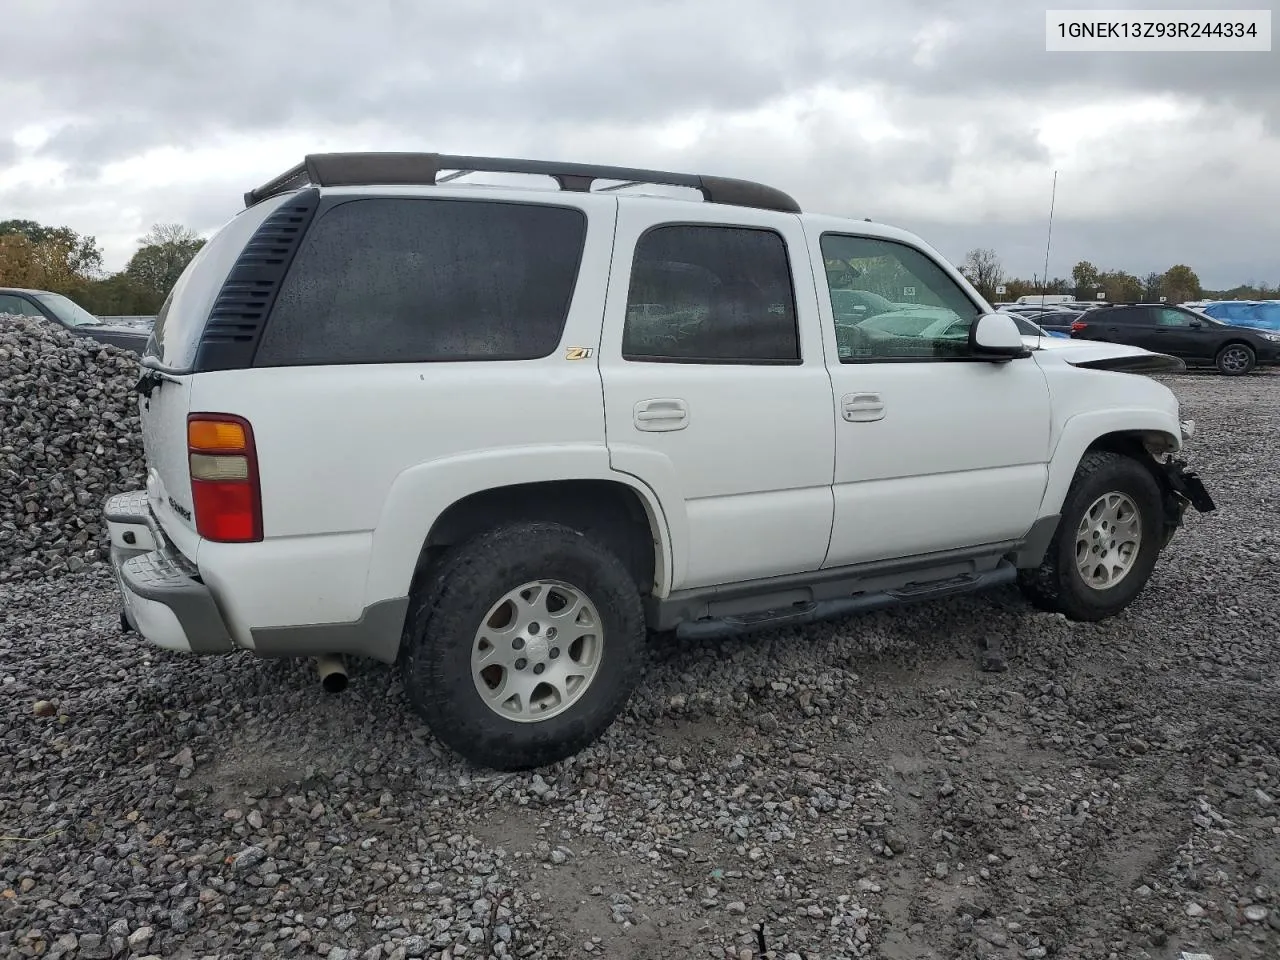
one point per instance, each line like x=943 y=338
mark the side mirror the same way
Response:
x=995 y=336
x=1196 y=324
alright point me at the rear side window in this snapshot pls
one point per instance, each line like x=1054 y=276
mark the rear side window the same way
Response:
x=711 y=294
x=18 y=306
x=1124 y=316
x=402 y=280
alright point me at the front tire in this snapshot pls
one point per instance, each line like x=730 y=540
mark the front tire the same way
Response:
x=1107 y=542
x=1235 y=359
x=525 y=645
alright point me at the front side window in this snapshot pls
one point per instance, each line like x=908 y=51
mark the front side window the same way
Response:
x=1172 y=318
x=891 y=301
x=711 y=294
x=404 y=280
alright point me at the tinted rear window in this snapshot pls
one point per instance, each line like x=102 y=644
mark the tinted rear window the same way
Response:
x=1134 y=316
x=399 y=280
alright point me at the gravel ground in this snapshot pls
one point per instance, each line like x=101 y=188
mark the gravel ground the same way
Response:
x=859 y=789
x=69 y=437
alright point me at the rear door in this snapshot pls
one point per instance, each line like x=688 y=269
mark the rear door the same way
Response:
x=1130 y=325
x=716 y=389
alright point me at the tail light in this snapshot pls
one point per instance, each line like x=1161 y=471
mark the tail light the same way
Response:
x=1077 y=326
x=225 y=491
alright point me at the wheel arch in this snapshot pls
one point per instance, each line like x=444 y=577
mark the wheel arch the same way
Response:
x=612 y=511
x=1143 y=435
x=433 y=505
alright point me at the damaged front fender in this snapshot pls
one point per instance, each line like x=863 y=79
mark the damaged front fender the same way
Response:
x=1181 y=487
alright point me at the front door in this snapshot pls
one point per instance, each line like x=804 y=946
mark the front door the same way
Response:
x=934 y=450
x=1174 y=334
x=716 y=392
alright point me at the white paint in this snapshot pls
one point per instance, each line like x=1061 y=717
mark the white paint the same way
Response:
x=753 y=464
x=771 y=470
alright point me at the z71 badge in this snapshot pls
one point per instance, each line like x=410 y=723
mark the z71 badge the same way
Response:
x=577 y=353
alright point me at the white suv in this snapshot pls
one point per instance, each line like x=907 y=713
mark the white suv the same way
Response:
x=499 y=433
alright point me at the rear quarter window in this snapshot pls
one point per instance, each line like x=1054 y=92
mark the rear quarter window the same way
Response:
x=401 y=280
x=1124 y=316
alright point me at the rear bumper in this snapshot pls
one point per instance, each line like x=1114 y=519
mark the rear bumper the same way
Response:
x=248 y=596
x=164 y=598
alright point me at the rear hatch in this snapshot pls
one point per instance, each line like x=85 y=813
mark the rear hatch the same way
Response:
x=168 y=359
x=164 y=439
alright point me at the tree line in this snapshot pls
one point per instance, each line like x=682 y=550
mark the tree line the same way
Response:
x=60 y=260
x=1178 y=284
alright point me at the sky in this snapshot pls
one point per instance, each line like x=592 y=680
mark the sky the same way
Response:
x=946 y=118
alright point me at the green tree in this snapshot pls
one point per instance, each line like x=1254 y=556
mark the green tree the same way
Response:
x=982 y=268
x=1180 y=283
x=1120 y=286
x=1151 y=286
x=1015 y=288
x=165 y=252
x=116 y=295
x=1084 y=276
x=40 y=264
x=83 y=256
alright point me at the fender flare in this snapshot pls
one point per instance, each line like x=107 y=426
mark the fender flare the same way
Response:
x=420 y=494
x=1083 y=430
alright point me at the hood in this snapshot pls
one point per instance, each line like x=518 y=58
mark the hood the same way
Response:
x=134 y=323
x=1248 y=328
x=1047 y=342
x=1095 y=355
x=116 y=330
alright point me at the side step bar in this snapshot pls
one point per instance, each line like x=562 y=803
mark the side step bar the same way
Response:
x=817 y=610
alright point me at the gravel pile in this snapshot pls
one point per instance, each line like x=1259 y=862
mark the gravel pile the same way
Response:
x=858 y=789
x=68 y=439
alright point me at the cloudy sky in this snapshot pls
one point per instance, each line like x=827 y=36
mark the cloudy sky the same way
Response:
x=947 y=118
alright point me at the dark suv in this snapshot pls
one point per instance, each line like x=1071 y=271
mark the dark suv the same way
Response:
x=1180 y=332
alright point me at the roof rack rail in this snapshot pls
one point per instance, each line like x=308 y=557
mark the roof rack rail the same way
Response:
x=422 y=169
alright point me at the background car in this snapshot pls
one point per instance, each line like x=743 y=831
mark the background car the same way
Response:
x=1258 y=314
x=950 y=326
x=1195 y=338
x=1056 y=323
x=66 y=313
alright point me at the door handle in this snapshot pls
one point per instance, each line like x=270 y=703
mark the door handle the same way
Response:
x=862 y=407
x=661 y=414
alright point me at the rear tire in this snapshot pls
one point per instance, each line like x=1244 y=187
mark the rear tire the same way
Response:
x=524 y=646
x=1107 y=542
x=1235 y=359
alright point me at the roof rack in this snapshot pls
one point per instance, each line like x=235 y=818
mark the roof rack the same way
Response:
x=422 y=169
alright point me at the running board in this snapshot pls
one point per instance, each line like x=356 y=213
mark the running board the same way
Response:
x=814 y=611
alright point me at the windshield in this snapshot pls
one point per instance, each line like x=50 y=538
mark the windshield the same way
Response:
x=68 y=311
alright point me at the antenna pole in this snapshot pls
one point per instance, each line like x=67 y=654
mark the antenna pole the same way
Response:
x=1049 y=241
